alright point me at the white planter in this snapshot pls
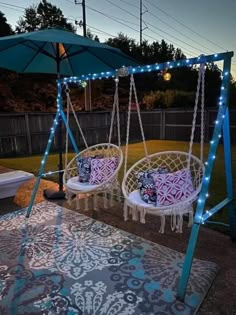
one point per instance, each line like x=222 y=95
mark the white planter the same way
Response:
x=9 y=182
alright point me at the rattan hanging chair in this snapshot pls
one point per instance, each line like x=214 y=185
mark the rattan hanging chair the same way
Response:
x=108 y=152
x=178 y=165
x=71 y=173
x=176 y=161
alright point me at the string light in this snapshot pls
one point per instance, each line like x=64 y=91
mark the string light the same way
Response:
x=159 y=66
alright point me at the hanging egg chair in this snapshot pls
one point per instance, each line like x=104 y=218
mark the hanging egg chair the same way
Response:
x=165 y=183
x=95 y=169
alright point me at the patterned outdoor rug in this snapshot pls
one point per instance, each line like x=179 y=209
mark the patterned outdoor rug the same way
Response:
x=61 y=262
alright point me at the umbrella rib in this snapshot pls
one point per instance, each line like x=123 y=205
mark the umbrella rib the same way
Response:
x=40 y=49
x=37 y=52
x=25 y=43
x=8 y=47
x=99 y=58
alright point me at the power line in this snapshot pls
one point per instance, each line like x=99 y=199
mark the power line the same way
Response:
x=191 y=54
x=159 y=28
x=178 y=31
x=164 y=12
x=122 y=9
x=8 y=7
x=154 y=27
x=167 y=14
x=136 y=24
x=101 y=31
x=12 y=5
x=114 y=19
x=132 y=5
x=180 y=40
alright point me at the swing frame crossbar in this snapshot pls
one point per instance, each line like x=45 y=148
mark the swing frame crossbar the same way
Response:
x=222 y=125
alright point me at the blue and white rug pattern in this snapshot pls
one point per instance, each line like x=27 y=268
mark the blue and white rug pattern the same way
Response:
x=62 y=262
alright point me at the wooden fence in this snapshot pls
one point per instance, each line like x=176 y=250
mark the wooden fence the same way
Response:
x=27 y=133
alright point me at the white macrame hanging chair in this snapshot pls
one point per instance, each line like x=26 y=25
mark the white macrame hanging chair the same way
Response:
x=174 y=160
x=105 y=150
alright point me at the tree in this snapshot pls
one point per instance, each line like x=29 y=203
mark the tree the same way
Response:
x=41 y=16
x=90 y=35
x=5 y=28
x=122 y=42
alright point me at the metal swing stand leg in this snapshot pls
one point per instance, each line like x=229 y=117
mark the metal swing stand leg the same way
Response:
x=228 y=172
x=222 y=121
x=59 y=116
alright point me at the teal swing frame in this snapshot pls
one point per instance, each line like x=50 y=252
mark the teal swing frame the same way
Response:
x=222 y=127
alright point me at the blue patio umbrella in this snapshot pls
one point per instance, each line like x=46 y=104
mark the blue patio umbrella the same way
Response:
x=60 y=52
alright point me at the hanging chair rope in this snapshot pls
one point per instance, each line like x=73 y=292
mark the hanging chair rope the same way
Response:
x=202 y=115
x=67 y=134
x=139 y=117
x=69 y=103
x=201 y=81
x=118 y=119
x=131 y=90
x=69 y=106
x=115 y=111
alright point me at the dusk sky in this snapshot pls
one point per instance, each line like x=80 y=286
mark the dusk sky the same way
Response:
x=197 y=27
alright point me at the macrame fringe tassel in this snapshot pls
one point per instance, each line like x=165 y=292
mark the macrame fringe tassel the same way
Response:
x=163 y=223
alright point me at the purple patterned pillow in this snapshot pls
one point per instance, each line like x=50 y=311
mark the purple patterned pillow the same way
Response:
x=101 y=169
x=146 y=184
x=173 y=187
x=84 y=167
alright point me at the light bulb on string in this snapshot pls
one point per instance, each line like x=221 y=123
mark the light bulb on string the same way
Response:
x=83 y=84
x=167 y=76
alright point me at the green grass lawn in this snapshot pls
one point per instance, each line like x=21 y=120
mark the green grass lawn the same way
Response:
x=217 y=188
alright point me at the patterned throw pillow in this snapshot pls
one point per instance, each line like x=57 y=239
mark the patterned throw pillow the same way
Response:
x=101 y=169
x=146 y=184
x=173 y=187
x=84 y=167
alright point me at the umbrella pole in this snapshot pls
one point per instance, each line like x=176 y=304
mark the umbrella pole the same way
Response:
x=50 y=193
x=60 y=165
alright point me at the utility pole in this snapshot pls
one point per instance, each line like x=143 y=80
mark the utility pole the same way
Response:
x=84 y=16
x=141 y=22
x=87 y=90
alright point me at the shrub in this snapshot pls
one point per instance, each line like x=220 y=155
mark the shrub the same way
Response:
x=168 y=98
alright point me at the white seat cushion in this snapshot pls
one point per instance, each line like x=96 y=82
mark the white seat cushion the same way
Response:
x=74 y=184
x=135 y=198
